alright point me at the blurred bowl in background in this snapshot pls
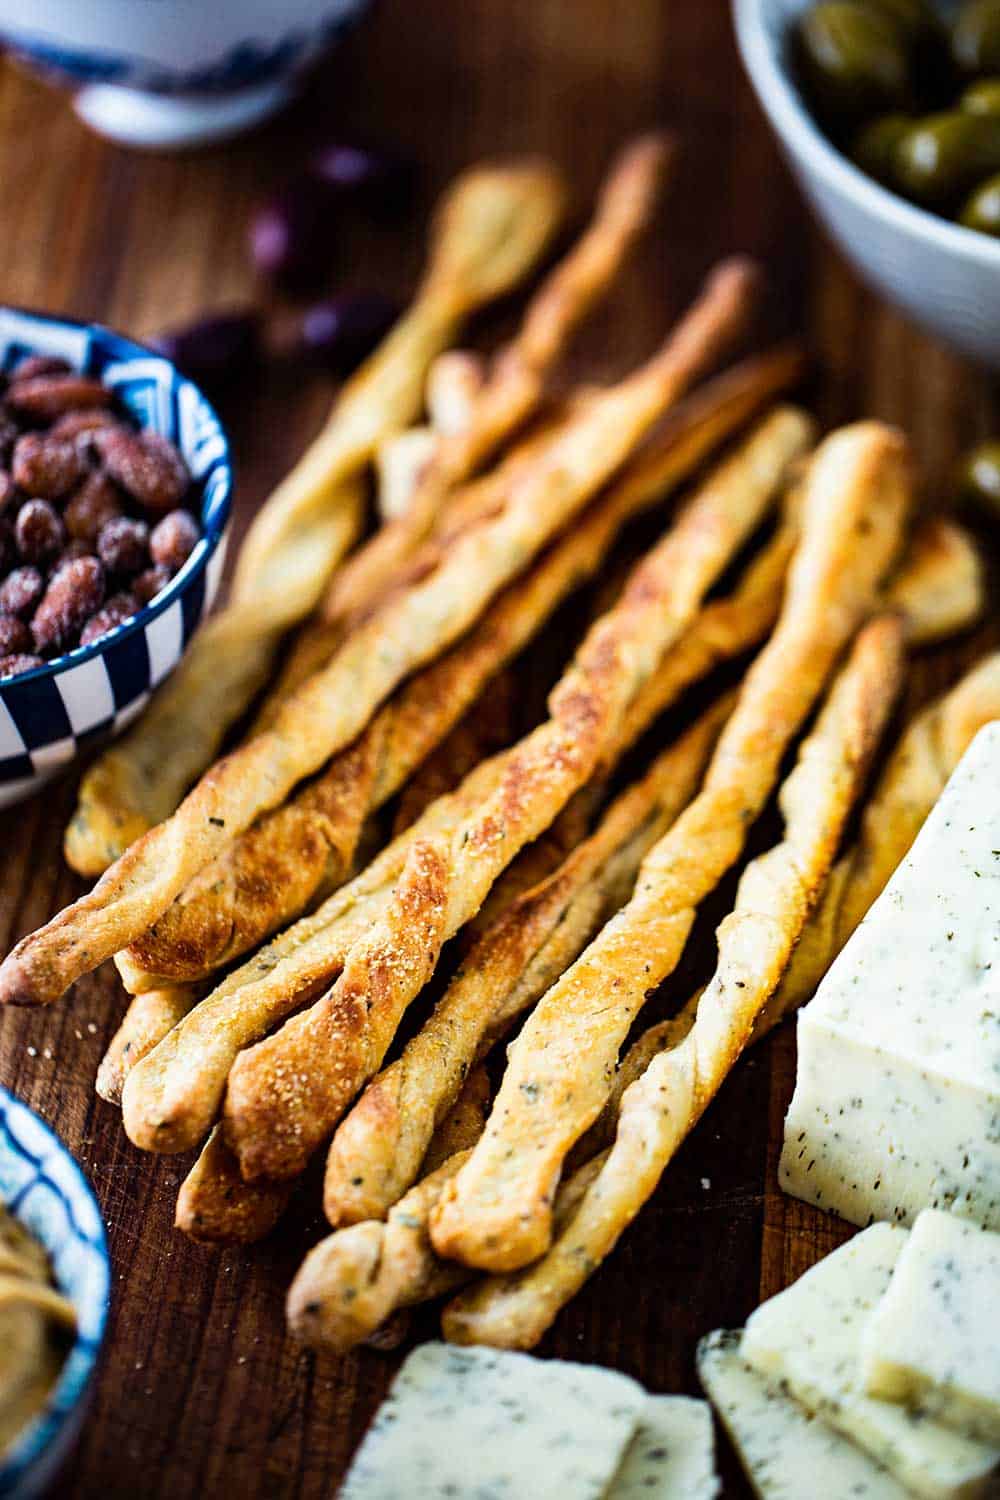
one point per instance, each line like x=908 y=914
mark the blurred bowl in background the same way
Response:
x=48 y=715
x=173 y=73
x=946 y=277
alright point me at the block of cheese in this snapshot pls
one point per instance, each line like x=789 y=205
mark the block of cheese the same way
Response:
x=809 y=1336
x=934 y=1339
x=482 y=1424
x=786 y=1452
x=672 y=1456
x=897 y=1091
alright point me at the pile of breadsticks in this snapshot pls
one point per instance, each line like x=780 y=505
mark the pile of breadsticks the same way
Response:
x=331 y=934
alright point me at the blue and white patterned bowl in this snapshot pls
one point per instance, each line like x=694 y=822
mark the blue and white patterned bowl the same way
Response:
x=946 y=277
x=44 y=1188
x=173 y=73
x=48 y=715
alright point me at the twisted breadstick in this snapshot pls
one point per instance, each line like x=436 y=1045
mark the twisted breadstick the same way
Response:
x=285 y=1094
x=510 y=394
x=657 y=1112
x=298 y=854
x=491 y=228
x=333 y=707
x=146 y=1022
x=379 y=1146
x=497 y=1214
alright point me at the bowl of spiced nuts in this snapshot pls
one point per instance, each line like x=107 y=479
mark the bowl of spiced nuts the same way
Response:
x=115 y=494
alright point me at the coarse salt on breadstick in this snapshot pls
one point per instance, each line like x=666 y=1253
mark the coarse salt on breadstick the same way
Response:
x=333 y=706
x=491 y=228
x=296 y=855
x=497 y=1213
x=285 y=1094
x=379 y=1146
x=664 y=1105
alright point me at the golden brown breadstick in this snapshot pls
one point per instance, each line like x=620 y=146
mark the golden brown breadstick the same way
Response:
x=658 y=1111
x=914 y=777
x=942 y=588
x=215 y=1205
x=296 y=855
x=333 y=706
x=286 y=1093
x=489 y=231
x=497 y=1213
x=379 y=1146
x=510 y=394
x=146 y=1022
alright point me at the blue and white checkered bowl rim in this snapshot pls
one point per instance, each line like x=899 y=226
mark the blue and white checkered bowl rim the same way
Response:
x=762 y=36
x=45 y=1189
x=93 y=349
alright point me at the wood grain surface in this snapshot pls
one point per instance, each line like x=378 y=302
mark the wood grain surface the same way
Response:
x=201 y=1393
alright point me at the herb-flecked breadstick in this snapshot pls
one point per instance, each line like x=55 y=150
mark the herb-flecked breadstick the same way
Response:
x=772 y=902
x=295 y=856
x=332 y=707
x=144 y=1025
x=490 y=229
x=497 y=1213
x=379 y=1146
x=285 y=1094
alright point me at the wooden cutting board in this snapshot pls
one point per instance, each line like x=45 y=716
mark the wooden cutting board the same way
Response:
x=200 y=1392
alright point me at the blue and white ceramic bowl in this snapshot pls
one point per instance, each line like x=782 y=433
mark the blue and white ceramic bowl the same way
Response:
x=43 y=1187
x=946 y=277
x=48 y=715
x=172 y=72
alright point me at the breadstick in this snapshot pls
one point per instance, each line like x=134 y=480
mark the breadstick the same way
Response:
x=215 y=1206
x=146 y=1022
x=454 y=380
x=510 y=394
x=497 y=1213
x=286 y=1093
x=298 y=854
x=354 y=1281
x=379 y=1146
x=333 y=706
x=490 y=230
x=658 y=1111
x=914 y=777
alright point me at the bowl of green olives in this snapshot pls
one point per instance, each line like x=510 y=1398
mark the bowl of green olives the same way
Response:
x=889 y=114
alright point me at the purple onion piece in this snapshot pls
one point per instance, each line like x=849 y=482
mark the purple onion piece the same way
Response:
x=293 y=236
x=341 y=331
x=382 y=182
x=217 y=352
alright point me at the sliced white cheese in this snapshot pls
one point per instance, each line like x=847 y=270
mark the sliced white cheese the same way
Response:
x=672 y=1456
x=482 y=1424
x=787 y=1453
x=934 y=1339
x=897 y=1091
x=809 y=1336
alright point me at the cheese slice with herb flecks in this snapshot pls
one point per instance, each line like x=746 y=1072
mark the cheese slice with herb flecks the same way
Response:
x=786 y=1452
x=934 y=1339
x=897 y=1089
x=809 y=1337
x=672 y=1456
x=483 y=1424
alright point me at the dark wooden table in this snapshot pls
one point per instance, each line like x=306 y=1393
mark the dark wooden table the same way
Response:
x=201 y=1393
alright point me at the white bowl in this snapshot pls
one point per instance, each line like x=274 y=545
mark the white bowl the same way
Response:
x=163 y=73
x=945 y=277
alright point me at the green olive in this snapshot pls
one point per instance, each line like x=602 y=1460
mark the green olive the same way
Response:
x=917 y=20
x=979 y=478
x=875 y=147
x=975 y=37
x=943 y=157
x=982 y=98
x=982 y=209
x=853 y=62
